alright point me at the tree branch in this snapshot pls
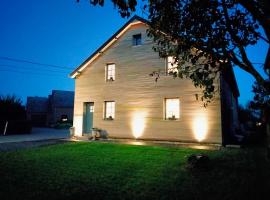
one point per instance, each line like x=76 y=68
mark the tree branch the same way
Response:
x=262 y=18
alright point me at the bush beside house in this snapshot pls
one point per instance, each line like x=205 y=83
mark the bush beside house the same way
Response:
x=13 y=116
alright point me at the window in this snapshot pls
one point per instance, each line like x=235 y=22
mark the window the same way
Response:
x=109 y=110
x=91 y=108
x=137 y=39
x=64 y=118
x=171 y=65
x=172 y=109
x=110 y=76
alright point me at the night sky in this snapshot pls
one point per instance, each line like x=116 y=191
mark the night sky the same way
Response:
x=63 y=34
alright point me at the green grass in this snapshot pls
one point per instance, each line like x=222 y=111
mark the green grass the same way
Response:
x=115 y=171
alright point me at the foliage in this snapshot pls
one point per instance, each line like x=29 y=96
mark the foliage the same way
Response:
x=63 y=125
x=261 y=101
x=247 y=113
x=205 y=36
x=198 y=162
x=16 y=127
x=125 y=7
x=113 y=171
x=11 y=108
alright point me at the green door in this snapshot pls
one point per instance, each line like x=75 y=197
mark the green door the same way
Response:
x=88 y=117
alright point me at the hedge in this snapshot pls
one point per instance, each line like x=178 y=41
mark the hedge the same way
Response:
x=16 y=127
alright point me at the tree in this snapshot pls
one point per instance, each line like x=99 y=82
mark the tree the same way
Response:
x=261 y=102
x=205 y=36
x=11 y=108
x=247 y=113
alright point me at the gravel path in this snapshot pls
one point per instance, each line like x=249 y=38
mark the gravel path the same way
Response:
x=14 y=146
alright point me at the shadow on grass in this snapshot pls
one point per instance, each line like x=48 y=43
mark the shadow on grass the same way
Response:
x=233 y=174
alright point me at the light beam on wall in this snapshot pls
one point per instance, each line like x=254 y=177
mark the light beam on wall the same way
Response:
x=138 y=123
x=200 y=127
x=77 y=123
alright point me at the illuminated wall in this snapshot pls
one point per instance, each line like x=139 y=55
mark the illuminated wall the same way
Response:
x=200 y=125
x=138 y=122
x=77 y=123
x=140 y=110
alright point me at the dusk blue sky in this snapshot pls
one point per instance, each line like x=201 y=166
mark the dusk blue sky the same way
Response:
x=64 y=33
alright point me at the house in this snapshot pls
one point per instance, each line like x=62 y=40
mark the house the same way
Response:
x=37 y=110
x=61 y=105
x=43 y=111
x=114 y=92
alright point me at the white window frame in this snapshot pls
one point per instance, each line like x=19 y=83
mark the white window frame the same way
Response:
x=171 y=67
x=110 y=72
x=109 y=110
x=170 y=112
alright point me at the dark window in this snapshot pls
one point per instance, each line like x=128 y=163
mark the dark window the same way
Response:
x=137 y=39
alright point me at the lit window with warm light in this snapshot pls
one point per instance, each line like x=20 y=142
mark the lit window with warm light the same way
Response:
x=110 y=72
x=109 y=113
x=171 y=66
x=172 y=109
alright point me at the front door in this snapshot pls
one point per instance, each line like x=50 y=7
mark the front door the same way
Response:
x=88 y=117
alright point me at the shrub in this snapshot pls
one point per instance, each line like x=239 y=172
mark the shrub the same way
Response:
x=63 y=125
x=198 y=161
x=16 y=127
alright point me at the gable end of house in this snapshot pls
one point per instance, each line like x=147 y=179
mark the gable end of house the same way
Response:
x=133 y=21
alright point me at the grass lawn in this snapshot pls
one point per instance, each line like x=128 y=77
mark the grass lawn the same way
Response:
x=117 y=171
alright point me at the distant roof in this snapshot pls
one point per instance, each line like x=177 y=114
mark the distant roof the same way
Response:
x=107 y=43
x=60 y=98
x=37 y=104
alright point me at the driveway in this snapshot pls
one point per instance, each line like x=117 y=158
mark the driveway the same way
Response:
x=36 y=135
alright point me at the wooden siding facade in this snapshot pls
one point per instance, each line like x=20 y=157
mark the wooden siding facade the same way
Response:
x=139 y=100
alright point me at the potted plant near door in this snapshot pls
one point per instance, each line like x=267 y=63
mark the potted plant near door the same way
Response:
x=96 y=133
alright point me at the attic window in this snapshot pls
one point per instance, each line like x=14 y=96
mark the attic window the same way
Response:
x=137 y=39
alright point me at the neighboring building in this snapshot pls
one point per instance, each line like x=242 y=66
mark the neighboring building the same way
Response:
x=37 y=110
x=44 y=111
x=114 y=92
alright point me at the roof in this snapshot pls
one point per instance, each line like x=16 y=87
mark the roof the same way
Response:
x=134 y=20
x=37 y=104
x=62 y=99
